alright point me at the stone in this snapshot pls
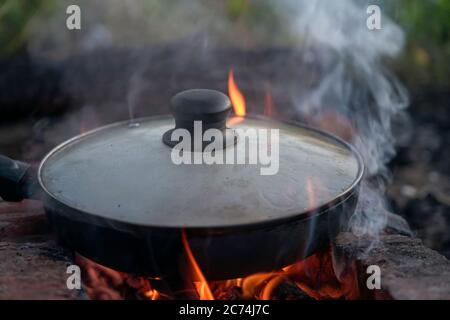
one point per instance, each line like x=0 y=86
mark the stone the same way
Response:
x=32 y=264
x=409 y=270
x=35 y=271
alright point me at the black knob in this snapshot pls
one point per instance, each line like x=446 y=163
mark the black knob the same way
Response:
x=211 y=107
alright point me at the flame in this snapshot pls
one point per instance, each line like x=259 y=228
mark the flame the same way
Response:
x=237 y=99
x=202 y=285
x=261 y=285
x=269 y=104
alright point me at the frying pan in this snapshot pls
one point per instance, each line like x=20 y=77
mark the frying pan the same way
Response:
x=114 y=195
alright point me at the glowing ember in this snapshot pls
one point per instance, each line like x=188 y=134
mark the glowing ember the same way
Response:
x=103 y=283
x=152 y=294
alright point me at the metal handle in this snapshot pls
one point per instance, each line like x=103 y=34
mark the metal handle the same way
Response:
x=18 y=180
x=211 y=107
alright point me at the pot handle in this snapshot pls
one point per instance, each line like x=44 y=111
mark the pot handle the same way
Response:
x=18 y=180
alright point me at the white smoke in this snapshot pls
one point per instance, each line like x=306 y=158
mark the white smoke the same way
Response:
x=356 y=85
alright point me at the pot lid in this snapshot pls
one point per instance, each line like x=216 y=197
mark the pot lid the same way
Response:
x=128 y=173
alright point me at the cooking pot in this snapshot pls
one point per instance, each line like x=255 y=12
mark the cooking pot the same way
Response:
x=115 y=195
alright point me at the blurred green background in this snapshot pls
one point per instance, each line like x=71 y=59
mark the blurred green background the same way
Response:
x=425 y=60
x=427 y=54
x=15 y=16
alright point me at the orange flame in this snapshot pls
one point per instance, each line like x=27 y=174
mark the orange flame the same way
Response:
x=202 y=286
x=237 y=99
x=261 y=285
x=269 y=104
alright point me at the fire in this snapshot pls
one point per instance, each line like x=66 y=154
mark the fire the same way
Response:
x=201 y=284
x=239 y=103
x=152 y=294
x=237 y=99
x=313 y=277
x=269 y=104
x=261 y=286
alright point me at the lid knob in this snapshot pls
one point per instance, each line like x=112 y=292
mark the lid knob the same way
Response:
x=210 y=107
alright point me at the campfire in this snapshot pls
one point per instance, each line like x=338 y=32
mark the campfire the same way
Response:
x=311 y=278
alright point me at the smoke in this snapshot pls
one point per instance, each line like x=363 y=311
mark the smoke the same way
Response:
x=356 y=85
x=351 y=84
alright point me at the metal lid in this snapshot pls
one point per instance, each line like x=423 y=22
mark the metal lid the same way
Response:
x=126 y=173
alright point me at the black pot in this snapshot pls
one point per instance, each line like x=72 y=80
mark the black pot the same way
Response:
x=115 y=196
